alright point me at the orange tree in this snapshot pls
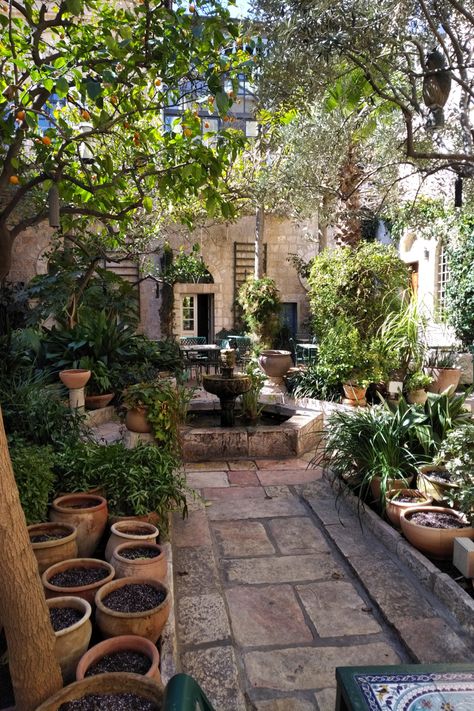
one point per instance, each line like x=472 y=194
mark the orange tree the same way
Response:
x=83 y=87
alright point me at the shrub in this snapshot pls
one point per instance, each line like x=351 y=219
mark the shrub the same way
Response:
x=361 y=285
x=312 y=383
x=460 y=286
x=260 y=303
x=136 y=481
x=457 y=453
x=34 y=475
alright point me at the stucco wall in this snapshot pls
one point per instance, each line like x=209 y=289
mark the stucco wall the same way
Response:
x=28 y=255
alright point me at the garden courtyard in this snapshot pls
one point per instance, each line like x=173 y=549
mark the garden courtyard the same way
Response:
x=236 y=355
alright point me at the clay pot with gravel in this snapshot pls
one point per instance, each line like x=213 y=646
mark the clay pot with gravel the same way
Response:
x=52 y=543
x=125 y=653
x=435 y=480
x=140 y=560
x=129 y=531
x=149 y=694
x=432 y=529
x=70 y=620
x=81 y=577
x=399 y=500
x=88 y=513
x=138 y=606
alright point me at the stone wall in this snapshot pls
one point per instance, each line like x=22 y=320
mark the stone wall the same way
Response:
x=28 y=255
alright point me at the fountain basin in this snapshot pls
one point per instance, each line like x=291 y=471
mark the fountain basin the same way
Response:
x=226 y=387
x=300 y=432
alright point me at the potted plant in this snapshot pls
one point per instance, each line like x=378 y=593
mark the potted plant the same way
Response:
x=98 y=392
x=52 y=542
x=432 y=529
x=415 y=386
x=136 y=400
x=436 y=481
x=129 y=532
x=138 y=606
x=107 y=685
x=128 y=653
x=87 y=512
x=140 y=560
x=81 y=577
x=399 y=500
x=441 y=365
x=70 y=619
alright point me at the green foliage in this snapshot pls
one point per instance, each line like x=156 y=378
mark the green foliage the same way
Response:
x=460 y=287
x=166 y=407
x=457 y=453
x=36 y=411
x=311 y=382
x=250 y=406
x=440 y=358
x=417 y=381
x=138 y=58
x=34 y=475
x=371 y=442
x=343 y=356
x=99 y=383
x=69 y=289
x=260 y=303
x=402 y=335
x=362 y=285
x=136 y=481
x=187 y=268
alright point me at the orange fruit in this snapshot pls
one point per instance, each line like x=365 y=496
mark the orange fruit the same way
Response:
x=192 y=8
x=114 y=99
x=206 y=124
x=20 y=116
x=85 y=115
x=187 y=132
x=157 y=82
x=46 y=140
x=14 y=179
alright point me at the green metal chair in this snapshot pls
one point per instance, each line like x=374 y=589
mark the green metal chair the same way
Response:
x=183 y=693
x=192 y=340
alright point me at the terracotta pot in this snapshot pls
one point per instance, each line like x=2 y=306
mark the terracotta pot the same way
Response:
x=90 y=522
x=375 y=485
x=114 y=683
x=437 y=490
x=136 y=420
x=126 y=642
x=151 y=517
x=417 y=397
x=156 y=568
x=353 y=392
x=97 y=402
x=395 y=507
x=72 y=642
x=435 y=542
x=444 y=378
x=74 y=379
x=50 y=552
x=147 y=624
x=86 y=592
x=275 y=363
x=119 y=533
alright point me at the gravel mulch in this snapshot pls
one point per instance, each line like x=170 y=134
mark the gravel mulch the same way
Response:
x=62 y=617
x=78 y=577
x=433 y=519
x=135 y=597
x=139 y=552
x=110 y=702
x=123 y=661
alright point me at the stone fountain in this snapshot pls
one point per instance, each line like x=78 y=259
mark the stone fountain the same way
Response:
x=227 y=386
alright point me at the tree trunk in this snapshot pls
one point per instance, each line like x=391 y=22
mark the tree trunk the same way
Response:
x=35 y=672
x=6 y=245
x=259 y=233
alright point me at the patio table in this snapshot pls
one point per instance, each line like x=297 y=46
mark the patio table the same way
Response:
x=407 y=687
x=306 y=352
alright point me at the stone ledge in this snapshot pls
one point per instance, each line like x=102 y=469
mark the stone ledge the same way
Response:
x=169 y=660
x=100 y=417
x=445 y=589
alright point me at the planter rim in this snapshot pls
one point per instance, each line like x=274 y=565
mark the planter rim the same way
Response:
x=75 y=370
x=138 y=544
x=121 y=582
x=59 y=506
x=439 y=468
x=109 y=683
x=56 y=542
x=127 y=641
x=394 y=501
x=131 y=523
x=77 y=563
x=407 y=514
x=75 y=602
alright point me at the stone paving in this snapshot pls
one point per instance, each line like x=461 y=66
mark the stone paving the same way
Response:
x=266 y=604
